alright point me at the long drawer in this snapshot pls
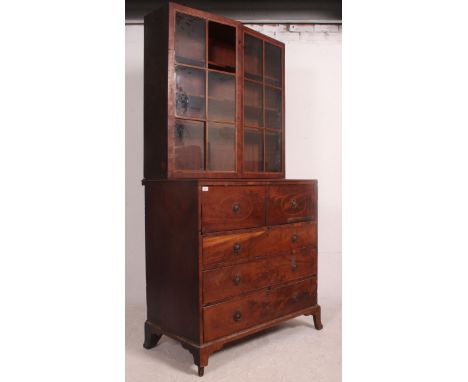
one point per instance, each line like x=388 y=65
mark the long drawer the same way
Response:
x=235 y=315
x=225 y=282
x=233 y=248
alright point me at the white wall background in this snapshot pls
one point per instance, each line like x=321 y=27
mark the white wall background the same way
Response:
x=313 y=141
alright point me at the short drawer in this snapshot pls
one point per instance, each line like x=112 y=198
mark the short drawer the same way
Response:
x=219 y=250
x=289 y=203
x=222 y=283
x=236 y=315
x=232 y=207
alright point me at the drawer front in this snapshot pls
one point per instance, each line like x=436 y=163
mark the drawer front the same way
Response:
x=232 y=207
x=288 y=203
x=233 y=316
x=222 y=283
x=222 y=250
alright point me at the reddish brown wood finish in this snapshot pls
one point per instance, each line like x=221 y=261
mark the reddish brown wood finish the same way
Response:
x=160 y=116
x=225 y=282
x=172 y=264
x=318 y=319
x=288 y=203
x=188 y=269
x=226 y=208
x=225 y=258
x=225 y=249
x=201 y=352
x=222 y=319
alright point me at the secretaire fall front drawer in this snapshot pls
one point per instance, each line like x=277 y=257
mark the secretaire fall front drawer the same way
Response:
x=232 y=207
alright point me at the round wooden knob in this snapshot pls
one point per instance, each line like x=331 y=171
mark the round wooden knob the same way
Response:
x=237 y=280
x=236 y=248
x=294 y=238
x=237 y=315
x=236 y=208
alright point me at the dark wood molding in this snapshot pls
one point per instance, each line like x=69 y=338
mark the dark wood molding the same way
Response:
x=280 y=11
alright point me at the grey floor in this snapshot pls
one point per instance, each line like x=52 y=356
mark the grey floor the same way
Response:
x=292 y=351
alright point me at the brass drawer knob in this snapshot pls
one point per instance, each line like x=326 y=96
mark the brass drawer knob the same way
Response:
x=236 y=208
x=236 y=248
x=295 y=238
x=237 y=316
x=294 y=204
x=237 y=280
x=295 y=297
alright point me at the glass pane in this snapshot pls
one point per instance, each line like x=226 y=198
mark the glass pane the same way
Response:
x=189 y=145
x=272 y=65
x=253 y=150
x=273 y=109
x=272 y=152
x=190 y=40
x=253 y=58
x=221 y=147
x=221 y=47
x=190 y=92
x=221 y=97
x=253 y=104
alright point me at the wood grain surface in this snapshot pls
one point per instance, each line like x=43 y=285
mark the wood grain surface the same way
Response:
x=226 y=208
x=225 y=249
x=241 y=313
x=289 y=203
x=225 y=282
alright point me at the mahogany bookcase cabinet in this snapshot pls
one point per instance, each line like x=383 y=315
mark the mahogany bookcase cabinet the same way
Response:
x=217 y=87
x=231 y=246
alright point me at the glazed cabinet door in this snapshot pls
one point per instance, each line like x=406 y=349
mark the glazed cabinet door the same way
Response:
x=263 y=106
x=203 y=94
x=214 y=105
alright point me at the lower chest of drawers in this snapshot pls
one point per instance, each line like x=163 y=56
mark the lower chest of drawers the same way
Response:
x=256 y=276
x=226 y=259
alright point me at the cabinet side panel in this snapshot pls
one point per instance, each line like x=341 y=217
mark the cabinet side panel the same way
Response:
x=155 y=93
x=172 y=265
